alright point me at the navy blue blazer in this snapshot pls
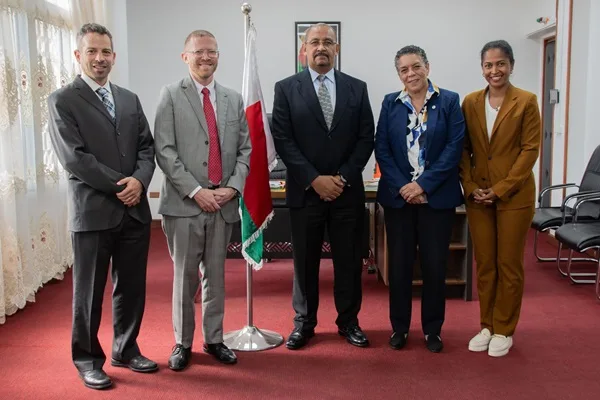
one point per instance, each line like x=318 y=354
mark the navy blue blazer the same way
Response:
x=444 y=142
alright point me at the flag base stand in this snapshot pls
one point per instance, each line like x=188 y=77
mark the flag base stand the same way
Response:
x=250 y=338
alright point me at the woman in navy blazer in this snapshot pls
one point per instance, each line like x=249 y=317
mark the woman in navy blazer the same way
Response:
x=418 y=146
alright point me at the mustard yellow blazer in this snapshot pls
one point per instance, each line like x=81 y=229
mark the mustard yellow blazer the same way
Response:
x=504 y=163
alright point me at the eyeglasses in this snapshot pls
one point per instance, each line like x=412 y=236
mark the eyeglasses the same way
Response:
x=325 y=43
x=200 y=53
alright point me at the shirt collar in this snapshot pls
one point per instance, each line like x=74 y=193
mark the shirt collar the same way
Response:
x=329 y=75
x=210 y=86
x=94 y=85
x=430 y=92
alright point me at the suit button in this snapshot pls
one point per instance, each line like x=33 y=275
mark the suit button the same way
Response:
x=489 y=158
x=206 y=142
x=118 y=133
x=122 y=154
x=205 y=163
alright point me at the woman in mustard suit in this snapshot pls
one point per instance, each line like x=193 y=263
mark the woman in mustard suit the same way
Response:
x=501 y=147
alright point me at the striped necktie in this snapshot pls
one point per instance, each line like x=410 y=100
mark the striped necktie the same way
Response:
x=110 y=107
x=325 y=101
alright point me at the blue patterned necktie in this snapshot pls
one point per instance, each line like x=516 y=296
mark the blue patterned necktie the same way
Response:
x=110 y=107
x=325 y=101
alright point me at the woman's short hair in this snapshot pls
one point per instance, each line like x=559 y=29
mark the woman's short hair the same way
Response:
x=411 y=49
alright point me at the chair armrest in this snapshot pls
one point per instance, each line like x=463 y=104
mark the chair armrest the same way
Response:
x=554 y=187
x=587 y=199
x=563 y=207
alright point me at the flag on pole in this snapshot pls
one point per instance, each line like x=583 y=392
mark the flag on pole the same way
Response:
x=256 y=207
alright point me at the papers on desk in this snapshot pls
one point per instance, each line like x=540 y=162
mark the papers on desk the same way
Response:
x=277 y=184
x=371 y=185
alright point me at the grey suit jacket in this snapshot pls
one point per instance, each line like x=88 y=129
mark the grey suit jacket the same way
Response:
x=97 y=153
x=181 y=140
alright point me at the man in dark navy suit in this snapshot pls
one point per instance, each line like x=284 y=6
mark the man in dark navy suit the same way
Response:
x=323 y=130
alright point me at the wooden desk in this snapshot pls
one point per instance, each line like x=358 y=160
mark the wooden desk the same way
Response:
x=460 y=261
x=371 y=195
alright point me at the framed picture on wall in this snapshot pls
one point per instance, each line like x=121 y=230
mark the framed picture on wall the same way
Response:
x=300 y=28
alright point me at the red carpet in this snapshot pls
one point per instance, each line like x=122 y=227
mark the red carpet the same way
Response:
x=556 y=353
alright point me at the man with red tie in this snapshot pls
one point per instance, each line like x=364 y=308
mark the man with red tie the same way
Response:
x=203 y=148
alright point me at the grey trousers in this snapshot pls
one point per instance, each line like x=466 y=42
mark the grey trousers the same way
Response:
x=199 y=241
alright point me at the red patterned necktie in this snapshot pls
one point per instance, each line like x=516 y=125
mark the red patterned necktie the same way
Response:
x=215 y=172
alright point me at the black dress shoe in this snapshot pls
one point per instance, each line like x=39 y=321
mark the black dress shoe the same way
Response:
x=354 y=335
x=220 y=352
x=298 y=339
x=180 y=357
x=398 y=340
x=137 y=364
x=95 y=379
x=434 y=343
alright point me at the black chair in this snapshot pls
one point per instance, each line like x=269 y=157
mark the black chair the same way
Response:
x=546 y=218
x=582 y=236
x=278 y=173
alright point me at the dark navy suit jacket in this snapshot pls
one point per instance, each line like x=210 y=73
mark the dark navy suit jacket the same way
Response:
x=309 y=149
x=444 y=142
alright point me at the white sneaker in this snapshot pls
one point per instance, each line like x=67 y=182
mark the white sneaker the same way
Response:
x=481 y=341
x=500 y=345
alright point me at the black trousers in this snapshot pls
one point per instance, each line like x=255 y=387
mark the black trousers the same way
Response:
x=345 y=227
x=127 y=245
x=431 y=230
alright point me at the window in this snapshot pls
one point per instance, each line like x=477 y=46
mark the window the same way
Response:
x=36 y=50
x=64 y=4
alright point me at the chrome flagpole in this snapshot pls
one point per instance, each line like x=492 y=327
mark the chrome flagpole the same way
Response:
x=250 y=338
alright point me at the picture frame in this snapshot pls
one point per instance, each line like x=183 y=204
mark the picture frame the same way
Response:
x=300 y=27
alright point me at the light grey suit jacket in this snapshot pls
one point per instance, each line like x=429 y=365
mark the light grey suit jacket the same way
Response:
x=181 y=141
x=97 y=152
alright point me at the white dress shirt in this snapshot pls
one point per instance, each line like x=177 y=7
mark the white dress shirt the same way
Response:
x=94 y=86
x=212 y=95
x=329 y=83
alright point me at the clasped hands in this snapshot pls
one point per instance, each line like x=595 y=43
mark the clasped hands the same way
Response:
x=412 y=193
x=210 y=200
x=328 y=187
x=484 y=196
x=132 y=194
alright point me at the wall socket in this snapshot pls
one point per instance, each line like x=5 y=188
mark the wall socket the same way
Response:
x=554 y=96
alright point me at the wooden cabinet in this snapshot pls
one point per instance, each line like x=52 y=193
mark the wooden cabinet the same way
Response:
x=460 y=260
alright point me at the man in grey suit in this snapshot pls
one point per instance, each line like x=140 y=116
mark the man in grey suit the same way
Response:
x=203 y=148
x=102 y=139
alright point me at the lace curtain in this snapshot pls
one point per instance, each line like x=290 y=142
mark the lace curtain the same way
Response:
x=37 y=39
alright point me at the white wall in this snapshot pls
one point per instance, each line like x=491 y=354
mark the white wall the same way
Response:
x=451 y=32
x=560 y=110
x=584 y=84
x=116 y=17
x=584 y=134
x=580 y=74
x=539 y=32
